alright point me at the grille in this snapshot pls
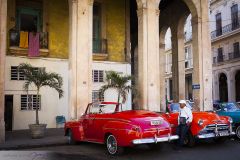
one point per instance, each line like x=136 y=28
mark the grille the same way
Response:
x=220 y=127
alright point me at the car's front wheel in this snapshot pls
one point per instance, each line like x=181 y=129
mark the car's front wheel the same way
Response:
x=112 y=145
x=238 y=132
x=70 y=137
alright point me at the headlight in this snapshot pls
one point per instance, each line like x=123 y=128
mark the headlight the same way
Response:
x=200 y=122
x=230 y=120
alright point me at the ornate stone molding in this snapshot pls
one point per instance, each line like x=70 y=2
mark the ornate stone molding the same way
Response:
x=72 y=1
x=90 y=2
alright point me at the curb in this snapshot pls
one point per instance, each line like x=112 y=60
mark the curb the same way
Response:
x=5 y=147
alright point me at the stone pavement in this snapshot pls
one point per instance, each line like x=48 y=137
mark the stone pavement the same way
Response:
x=22 y=140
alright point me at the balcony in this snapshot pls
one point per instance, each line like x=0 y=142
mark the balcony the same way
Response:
x=226 y=29
x=229 y=58
x=14 y=40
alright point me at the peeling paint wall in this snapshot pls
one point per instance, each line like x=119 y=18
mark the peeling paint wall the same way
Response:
x=115 y=19
x=58 y=14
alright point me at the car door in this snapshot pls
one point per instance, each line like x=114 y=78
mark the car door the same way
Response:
x=88 y=122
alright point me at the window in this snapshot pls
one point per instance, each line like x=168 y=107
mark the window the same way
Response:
x=29 y=15
x=96 y=98
x=236 y=51
x=97 y=26
x=30 y=102
x=234 y=15
x=220 y=54
x=219 y=24
x=18 y=74
x=98 y=76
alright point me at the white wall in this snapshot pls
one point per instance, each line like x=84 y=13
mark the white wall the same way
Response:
x=111 y=95
x=223 y=7
x=51 y=105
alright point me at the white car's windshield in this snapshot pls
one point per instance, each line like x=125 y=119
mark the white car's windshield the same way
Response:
x=175 y=107
x=230 y=107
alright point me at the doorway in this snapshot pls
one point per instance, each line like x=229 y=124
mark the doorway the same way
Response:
x=8 y=112
x=223 y=88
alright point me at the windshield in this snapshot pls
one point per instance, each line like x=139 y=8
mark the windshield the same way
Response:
x=174 y=107
x=102 y=108
x=230 y=107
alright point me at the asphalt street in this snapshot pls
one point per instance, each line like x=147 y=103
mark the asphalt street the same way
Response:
x=230 y=150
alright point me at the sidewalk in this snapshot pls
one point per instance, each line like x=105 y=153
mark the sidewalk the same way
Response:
x=22 y=140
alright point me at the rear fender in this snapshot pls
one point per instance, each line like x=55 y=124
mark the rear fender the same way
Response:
x=123 y=131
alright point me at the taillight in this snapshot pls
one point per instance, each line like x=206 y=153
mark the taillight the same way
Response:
x=136 y=129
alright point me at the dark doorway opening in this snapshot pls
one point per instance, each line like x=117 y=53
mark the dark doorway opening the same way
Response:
x=223 y=88
x=8 y=112
x=237 y=79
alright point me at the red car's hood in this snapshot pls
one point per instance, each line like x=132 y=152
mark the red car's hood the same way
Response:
x=143 y=118
x=208 y=117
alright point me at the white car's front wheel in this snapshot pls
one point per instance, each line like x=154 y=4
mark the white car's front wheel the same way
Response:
x=238 y=132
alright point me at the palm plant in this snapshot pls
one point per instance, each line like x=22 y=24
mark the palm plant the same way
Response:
x=40 y=78
x=118 y=82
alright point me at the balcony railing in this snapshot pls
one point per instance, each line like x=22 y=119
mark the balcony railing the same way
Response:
x=100 y=46
x=226 y=29
x=231 y=56
x=15 y=39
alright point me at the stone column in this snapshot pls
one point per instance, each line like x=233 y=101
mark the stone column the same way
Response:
x=215 y=86
x=162 y=70
x=148 y=54
x=202 y=59
x=80 y=57
x=3 y=44
x=231 y=86
x=178 y=65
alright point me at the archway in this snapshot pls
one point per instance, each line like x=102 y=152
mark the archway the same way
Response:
x=223 y=88
x=237 y=84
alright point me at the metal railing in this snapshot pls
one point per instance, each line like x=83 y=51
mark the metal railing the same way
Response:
x=226 y=29
x=231 y=56
x=14 y=38
x=100 y=46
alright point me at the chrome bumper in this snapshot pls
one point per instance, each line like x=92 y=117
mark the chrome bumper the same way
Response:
x=214 y=135
x=155 y=140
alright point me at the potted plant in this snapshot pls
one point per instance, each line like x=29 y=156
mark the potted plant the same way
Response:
x=40 y=78
x=118 y=82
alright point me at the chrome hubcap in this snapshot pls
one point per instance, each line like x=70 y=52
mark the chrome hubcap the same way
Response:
x=111 y=144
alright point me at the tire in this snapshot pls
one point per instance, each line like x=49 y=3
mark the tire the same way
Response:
x=71 y=140
x=190 y=140
x=238 y=132
x=112 y=146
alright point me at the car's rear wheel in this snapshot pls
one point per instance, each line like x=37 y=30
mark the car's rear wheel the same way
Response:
x=71 y=140
x=238 y=132
x=112 y=145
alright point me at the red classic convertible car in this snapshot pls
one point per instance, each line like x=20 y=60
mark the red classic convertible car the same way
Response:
x=106 y=123
x=204 y=125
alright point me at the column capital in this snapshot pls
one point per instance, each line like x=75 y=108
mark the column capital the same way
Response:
x=150 y=4
x=162 y=45
x=73 y=1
